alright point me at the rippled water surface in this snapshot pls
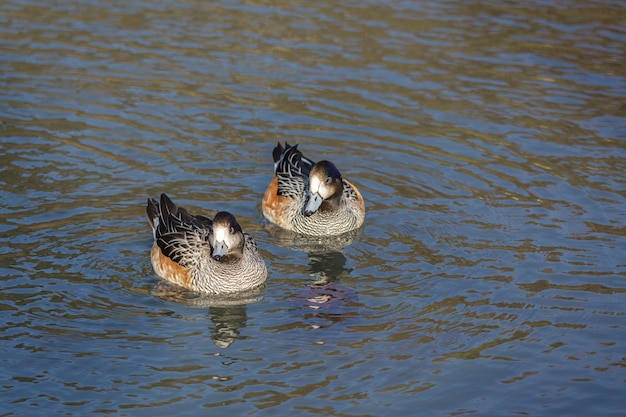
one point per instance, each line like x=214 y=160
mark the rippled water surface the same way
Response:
x=488 y=139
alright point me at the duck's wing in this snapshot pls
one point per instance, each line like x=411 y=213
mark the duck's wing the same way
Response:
x=181 y=236
x=292 y=170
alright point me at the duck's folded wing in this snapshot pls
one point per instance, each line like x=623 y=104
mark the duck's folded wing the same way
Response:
x=184 y=248
x=292 y=170
x=181 y=236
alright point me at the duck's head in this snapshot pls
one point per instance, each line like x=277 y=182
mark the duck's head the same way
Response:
x=226 y=237
x=325 y=188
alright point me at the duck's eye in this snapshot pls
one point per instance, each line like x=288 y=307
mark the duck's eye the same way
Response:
x=328 y=180
x=232 y=230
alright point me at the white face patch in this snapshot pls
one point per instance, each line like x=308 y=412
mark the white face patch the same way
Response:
x=314 y=185
x=220 y=234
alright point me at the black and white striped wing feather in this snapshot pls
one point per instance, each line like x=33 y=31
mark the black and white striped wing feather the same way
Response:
x=292 y=169
x=181 y=236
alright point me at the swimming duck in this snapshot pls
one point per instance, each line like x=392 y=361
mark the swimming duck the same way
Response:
x=195 y=252
x=311 y=198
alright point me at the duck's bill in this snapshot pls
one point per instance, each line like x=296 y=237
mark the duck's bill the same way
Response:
x=312 y=204
x=219 y=251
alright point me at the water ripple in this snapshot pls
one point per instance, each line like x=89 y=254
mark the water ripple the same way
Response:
x=488 y=142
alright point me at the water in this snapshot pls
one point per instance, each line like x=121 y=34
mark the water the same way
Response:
x=488 y=139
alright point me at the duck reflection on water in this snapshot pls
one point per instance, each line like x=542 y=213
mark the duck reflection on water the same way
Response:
x=227 y=312
x=311 y=244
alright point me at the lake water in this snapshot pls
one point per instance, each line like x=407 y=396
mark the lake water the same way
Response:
x=487 y=138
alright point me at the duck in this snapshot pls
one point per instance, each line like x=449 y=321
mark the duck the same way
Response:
x=311 y=198
x=201 y=254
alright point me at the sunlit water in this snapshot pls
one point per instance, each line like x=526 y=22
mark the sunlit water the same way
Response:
x=489 y=142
